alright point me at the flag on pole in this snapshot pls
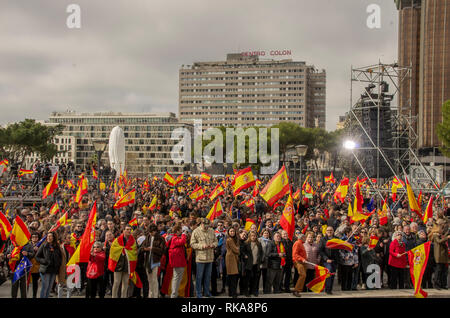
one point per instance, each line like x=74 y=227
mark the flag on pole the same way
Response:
x=276 y=188
x=83 y=251
x=127 y=199
x=94 y=173
x=317 y=285
x=287 y=221
x=243 y=180
x=179 y=179
x=215 y=211
x=428 y=215
x=63 y=221
x=341 y=191
x=20 y=235
x=330 y=179
x=373 y=241
x=412 y=199
x=248 y=224
x=197 y=194
x=396 y=183
x=296 y=195
x=152 y=205
x=54 y=209
x=339 y=244
x=250 y=203
x=22 y=269
x=218 y=190
x=418 y=259
x=51 y=187
x=133 y=222
x=5 y=227
x=205 y=176
x=169 y=179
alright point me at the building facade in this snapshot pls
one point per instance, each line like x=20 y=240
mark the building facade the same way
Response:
x=148 y=142
x=424 y=44
x=248 y=91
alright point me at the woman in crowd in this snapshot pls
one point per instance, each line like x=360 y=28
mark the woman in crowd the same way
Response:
x=264 y=240
x=50 y=258
x=95 y=272
x=256 y=261
x=232 y=261
x=397 y=261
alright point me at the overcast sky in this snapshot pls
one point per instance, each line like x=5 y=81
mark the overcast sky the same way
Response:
x=127 y=54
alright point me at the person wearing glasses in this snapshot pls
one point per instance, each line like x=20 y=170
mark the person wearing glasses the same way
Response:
x=95 y=272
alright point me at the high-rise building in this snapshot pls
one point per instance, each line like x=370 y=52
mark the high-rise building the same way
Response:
x=148 y=142
x=245 y=91
x=424 y=44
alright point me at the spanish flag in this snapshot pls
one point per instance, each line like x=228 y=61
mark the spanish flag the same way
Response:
x=169 y=179
x=373 y=241
x=242 y=180
x=296 y=195
x=70 y=184
x=102 y=186
x=287 y=221
x=129 y=249
x=5 y=227
x=322 y=196
x=306 y=180
x=412 y=199
x=147 y=185
x=341 y=191
x=248 y=224
x=317 y=285
x=418 y=259
x=330 y=179
x=63 y=220
x=250 y=203
x=50 y=188
x=197 y=194
x=215 y=211
x=205 y=176
x=218 y=190
x=276 y=188
x=54 y=209
x=152 y=205
x=185 y=285
x=83 y=184
x=419 y=200
x=20 y=235
x=179 y=179
x=256 y=188
x=133 y=222
x=94 y=173
x=428 y=215
x=339 y=244
x=78 y=195
x=83 y=251
x=23 y=172
x=128 y=198
x=396 y=183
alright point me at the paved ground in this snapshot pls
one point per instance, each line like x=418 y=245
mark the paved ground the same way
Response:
x=5 y=292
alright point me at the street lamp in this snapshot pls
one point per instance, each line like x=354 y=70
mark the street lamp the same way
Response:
x=99 y=147
x=295 y=160
x=301 y=152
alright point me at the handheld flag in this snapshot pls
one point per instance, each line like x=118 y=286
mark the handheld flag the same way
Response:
x=5 y=227
x=205 y=176
x=215 y=211
x=339 y=244
x=276 y=188
x=152 y=205
x=330 y=179
x=418 y=259
x=373 y=241
x=22 y=269
x=317 y=285
x=23 y=172
x=243 y=180
x=341 y=190
x=54 y=209
x=169 y=179
x=428 y=215
x=218 y=190
x=128 y=198
x=287 y=221
x=412 y=199
x=51 y=187
x=248 y=224
x=20 y=235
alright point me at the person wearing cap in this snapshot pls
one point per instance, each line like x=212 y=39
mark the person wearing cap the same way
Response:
x=203 y=241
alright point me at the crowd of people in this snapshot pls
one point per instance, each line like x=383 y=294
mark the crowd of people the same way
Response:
x=176 y=251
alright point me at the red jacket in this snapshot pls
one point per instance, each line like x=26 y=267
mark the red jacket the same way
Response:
x=394 y=249
x=96 y=265
x=177 y=256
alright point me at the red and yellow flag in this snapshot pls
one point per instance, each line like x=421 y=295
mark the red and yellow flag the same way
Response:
x=373 y=241
x=23 y=172
x=54 y=209
x=322 y=196
x=276 y=188
x=419 y=200
x=20 y=235
x=83 y=251
x=51 y=187
x=396 y=183
x=330 y=179
x=341 y=191
x=128 y=198
x=152 y=205
x=94 y=173
x=250 y=203
x=248 y=224
x=215 y=211
x=197 y=194
x=317 y=285
x=169 y=179
x=133 y=222
x=296 y=195
x=287 y=221
x=428 y=215
x=179 y=179
x=218 y=190
x=339 y=244
x=418 y=259
x=412 y=199
x=70 y=184
x=205 y=176
x=256 y=187
x=129 y=249
x=243 y=179
x=63 y=220
x=5 y=227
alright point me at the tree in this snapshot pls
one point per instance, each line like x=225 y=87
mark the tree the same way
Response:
x=21 y=139
x=443 y=129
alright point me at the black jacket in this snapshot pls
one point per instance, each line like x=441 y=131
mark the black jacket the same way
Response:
x=327 y=253
x=50 y=258
x=288 y=247
x=274 y=260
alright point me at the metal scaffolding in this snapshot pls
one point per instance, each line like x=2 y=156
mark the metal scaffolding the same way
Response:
x=380 y=85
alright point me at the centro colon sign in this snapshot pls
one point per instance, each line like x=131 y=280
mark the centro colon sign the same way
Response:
x=264 y=53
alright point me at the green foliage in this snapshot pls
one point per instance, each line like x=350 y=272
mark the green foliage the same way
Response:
x=21 y=139
x=443 y=129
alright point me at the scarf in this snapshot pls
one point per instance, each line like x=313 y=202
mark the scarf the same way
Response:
x=280 y=249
